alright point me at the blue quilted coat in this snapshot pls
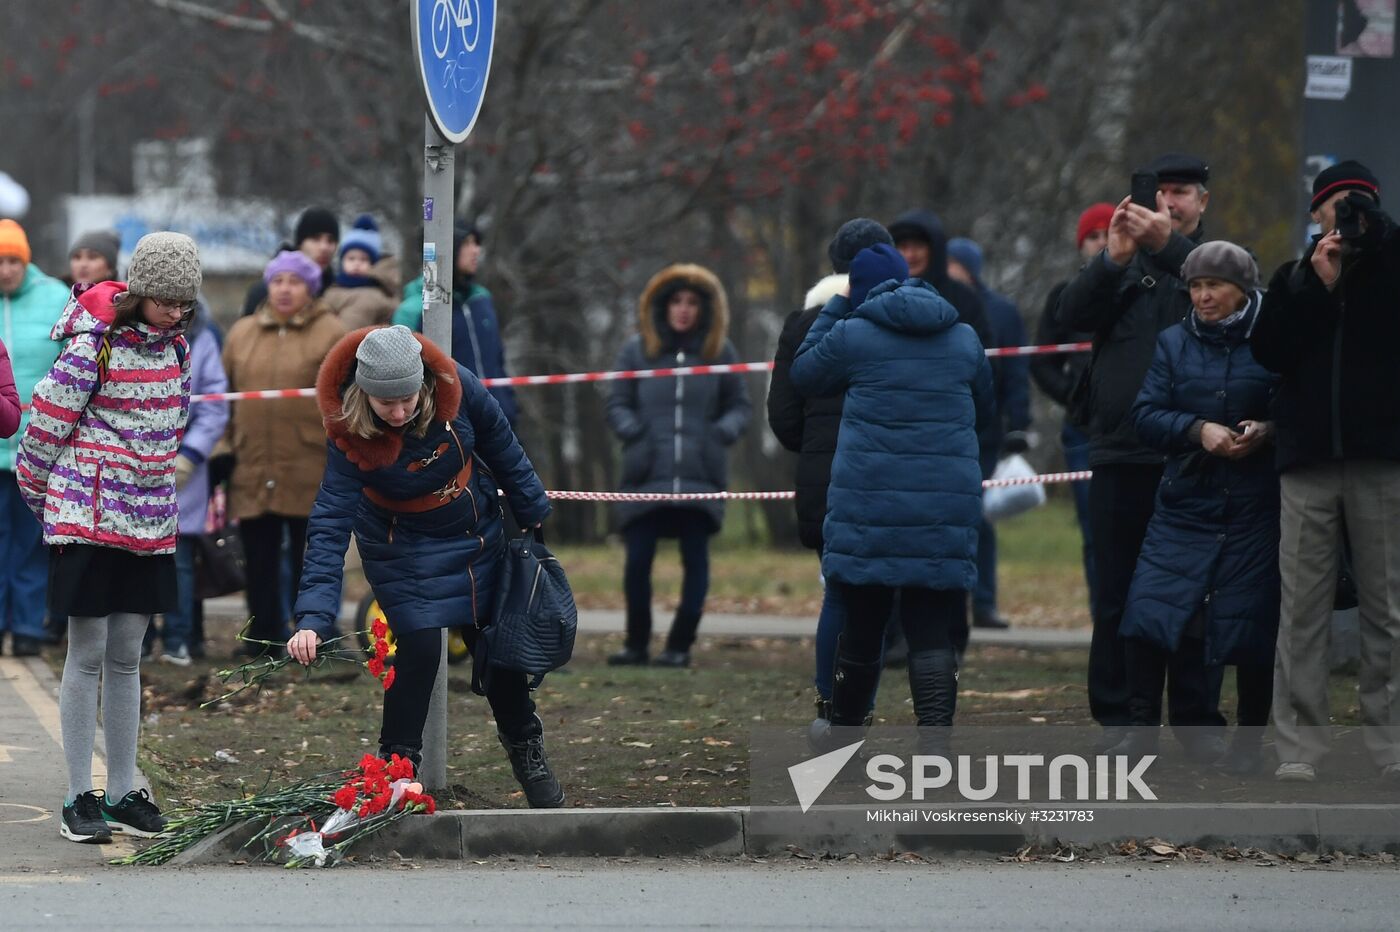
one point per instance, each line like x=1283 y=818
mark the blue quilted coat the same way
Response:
x=905 y=499
x=429 y=569
x=1212 y=544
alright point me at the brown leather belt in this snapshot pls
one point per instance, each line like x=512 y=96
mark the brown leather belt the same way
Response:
x=446 y=495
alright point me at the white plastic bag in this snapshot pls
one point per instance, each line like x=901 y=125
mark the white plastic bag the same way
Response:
x=1007 y=501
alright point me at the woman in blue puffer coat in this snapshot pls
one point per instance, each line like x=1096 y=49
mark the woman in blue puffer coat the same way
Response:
x=1206 y=590
x=905 y=499
x=417 y=447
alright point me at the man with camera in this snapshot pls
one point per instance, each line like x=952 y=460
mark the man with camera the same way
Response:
x=1330 y=325
x=1125 y=296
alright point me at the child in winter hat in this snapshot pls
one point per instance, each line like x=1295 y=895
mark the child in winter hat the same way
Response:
x=359 y=251
x=365 y=292
x=165 y=266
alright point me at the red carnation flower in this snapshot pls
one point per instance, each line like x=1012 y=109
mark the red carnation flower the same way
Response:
x=376 y=666
x=379 y=628
x=345 y=797
x=381 y=649
x=400 y=768
x=389 y=677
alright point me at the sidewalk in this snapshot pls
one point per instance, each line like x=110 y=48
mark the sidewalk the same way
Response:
x=33 y=775
x=605 y=621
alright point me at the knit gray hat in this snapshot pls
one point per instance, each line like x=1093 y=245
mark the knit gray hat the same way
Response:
x=165 y=266
x=389 y=363
x=105 y=243
x=1225 y=261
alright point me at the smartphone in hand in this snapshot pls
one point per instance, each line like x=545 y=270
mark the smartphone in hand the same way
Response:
x=1144 y=191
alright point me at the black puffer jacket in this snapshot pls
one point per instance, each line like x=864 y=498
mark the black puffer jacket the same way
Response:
x=926 y=225
x=807 y=426
x=1058 y=373
x=1125 y=308
x=676 y=431
x=1336 y=350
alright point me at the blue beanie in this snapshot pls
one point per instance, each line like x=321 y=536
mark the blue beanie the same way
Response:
x=364 y=236
x=875 y=265
x=967 y=254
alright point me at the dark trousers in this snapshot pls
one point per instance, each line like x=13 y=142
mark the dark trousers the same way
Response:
x=1193 y=689
x=24 y=570
x=984 y=597
x=1254 y=682
x=1076 y=444
x=262 y=547
x=416 y=658
x=930 y=618
x=692 y=527
x=1121 y=498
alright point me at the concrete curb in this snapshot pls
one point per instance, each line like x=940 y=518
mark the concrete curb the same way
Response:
x=736 y=832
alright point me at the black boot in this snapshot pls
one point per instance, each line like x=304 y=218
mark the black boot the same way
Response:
x=678 y=642
x=1246 y=753
x=852 y=691
x=628 y=657
x=821 y=725
x=531 y=767
x=1143 y=736
x=411 y=754
x=853 y=688
x=933 y=683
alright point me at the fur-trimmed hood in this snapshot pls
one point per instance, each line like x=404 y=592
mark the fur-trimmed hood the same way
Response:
x=651 y=311
x=826 y=289
x=337 y=371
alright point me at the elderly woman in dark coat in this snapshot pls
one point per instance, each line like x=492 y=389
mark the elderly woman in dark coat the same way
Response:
x=676 y=434
x=905 y=500
x=417 y=447
x=1206 y=590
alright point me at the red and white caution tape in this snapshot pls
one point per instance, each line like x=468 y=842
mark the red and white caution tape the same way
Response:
x=623 y=374
x=569 y=496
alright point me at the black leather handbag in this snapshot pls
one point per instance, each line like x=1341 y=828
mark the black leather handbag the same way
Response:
x=218 y=564
x=534 y=620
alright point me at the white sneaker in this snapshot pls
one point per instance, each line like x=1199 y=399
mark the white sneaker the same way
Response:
x=1295 y=772
x=1390 y=773
x=180 y=656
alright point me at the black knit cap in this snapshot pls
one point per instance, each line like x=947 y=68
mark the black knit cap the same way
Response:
x=1180 y=168
x=1344 y=176
x=313 y=222
x=854 y=236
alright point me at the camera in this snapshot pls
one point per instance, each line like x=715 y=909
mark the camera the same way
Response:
x=1349 y=211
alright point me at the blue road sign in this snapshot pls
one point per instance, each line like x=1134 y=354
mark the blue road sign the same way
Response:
x=452 y=41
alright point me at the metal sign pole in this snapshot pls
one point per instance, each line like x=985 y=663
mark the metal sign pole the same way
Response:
x=439 y=263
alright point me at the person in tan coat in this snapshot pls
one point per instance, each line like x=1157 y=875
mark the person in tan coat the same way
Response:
x=366 y=290
x=279 y=445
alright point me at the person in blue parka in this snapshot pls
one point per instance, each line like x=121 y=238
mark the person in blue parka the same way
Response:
x=905 y=499
x=1206 y=589
x=417 y=447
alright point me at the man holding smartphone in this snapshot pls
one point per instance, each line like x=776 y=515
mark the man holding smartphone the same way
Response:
x=1125 y=296
x=1330 y=325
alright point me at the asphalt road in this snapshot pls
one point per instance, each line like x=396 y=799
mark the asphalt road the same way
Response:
x=610 y=895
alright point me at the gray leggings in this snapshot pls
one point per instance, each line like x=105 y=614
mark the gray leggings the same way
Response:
x=106 y=649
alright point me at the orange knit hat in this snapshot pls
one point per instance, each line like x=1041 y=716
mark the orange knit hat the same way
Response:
x=13 y=242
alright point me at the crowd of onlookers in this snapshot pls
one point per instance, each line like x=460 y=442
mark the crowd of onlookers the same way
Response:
x=1243 y=440
x=257 y=464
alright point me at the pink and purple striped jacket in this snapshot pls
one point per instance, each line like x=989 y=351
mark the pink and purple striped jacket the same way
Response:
x=97 y=461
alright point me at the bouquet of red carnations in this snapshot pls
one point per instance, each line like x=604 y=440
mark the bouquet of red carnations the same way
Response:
x=381 y=793
x=310 y=824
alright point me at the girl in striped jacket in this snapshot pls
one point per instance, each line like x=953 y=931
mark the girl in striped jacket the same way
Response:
x=97 y=465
